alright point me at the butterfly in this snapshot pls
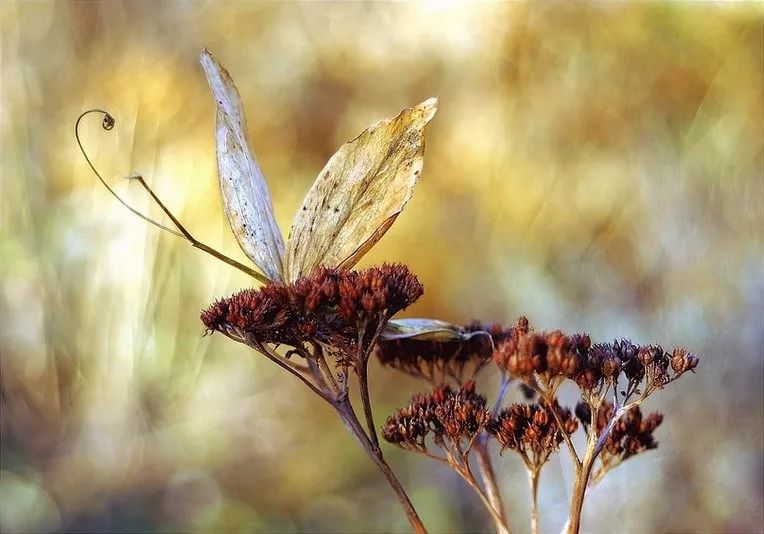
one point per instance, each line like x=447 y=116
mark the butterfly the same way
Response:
x=357 y=196
x=355 y=199
x=422 y=329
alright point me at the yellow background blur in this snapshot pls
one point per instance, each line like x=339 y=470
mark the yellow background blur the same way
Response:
x=598 y=168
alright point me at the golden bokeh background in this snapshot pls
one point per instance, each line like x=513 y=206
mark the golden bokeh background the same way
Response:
x=596 y=167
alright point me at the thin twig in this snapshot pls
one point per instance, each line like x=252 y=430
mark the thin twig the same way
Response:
x=533 y=480
x=347 y=414
x=195 y=242
x=488 y=477
x=278 y=361
x=319 y=355
x=363 y=377
x=561 y=427
x=499 y=521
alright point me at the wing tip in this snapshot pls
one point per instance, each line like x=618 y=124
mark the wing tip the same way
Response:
x=209 y=64
x=206 y=56
x=429 y=107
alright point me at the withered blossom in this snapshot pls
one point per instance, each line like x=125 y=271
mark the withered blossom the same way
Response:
x=630 y=435
x=683 y=360
x=331 y=307
x=531 y=431
x=550 y=353
x=439 y=361
x=453 y=417
x=550 y=357
x=455 y=421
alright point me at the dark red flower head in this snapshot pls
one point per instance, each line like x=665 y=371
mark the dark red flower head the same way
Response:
x=556 y=356
x=552 y=353
x=632 y=434
x=456 y=415
x=326 y=307
x=531 y=430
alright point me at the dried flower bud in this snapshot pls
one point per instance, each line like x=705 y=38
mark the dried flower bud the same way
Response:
x=454 y=415
x=584 y=413
x=611 y=367
x=522 y=355
x=646 y=355
x=327 y=306
x=627 y=352
x=630 y=435
x=682 y=361
x=590 y=376
x=531 y=430
x=561 y=358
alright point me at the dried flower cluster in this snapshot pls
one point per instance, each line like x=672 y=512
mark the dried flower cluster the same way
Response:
x=454 y=415
x=343 y=313
x=439 y=361
x=630 y=435
x=531 y=430
x=554 y=356
x=326 y=307
x=540 y=361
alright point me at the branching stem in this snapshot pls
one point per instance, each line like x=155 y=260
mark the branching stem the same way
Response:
x=488 y=477
x=347 y=414
x=594 y=444
x=363 y=375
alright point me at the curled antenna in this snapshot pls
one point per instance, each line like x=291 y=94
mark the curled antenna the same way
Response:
x=108 y=123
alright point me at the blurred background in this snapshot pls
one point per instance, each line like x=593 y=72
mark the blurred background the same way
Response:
x=595 y=167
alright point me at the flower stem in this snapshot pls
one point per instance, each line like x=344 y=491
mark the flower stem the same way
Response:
x=363 y=377
x=584 y=467
x=579 y=490
x=466 y=473
x=533 y=480
x=489 y=478
x=363 y=381
x=346 y=412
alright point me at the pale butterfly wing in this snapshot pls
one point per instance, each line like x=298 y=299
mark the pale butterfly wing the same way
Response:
x=358 y=194
x=246 y=199
x=425 y=330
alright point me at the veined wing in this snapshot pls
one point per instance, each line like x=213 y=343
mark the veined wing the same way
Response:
x=359 y=193
x=425 y=330
x=246 y=199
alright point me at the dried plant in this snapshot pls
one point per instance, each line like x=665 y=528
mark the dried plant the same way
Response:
x=631 y=435
x=613 y=379
x=321 y=321
x=322 y=328
x=530 y=431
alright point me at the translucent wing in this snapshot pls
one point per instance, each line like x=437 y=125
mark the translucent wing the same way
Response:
x=245 y=194
x=425 y=329
x=359 y=193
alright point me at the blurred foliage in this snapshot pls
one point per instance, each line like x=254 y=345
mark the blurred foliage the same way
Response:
x=596 y=167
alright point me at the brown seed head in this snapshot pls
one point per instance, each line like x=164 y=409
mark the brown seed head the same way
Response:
x=630 y=435
x=683 y=360
x=457 y=415
x=326 y=306
x=530 y=430
x=554 y=356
